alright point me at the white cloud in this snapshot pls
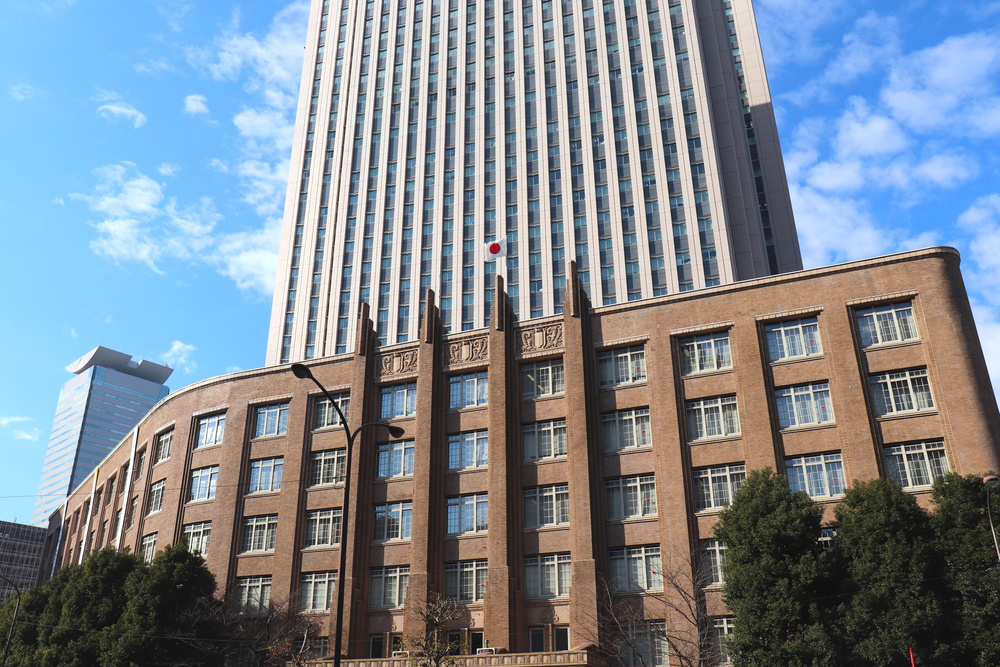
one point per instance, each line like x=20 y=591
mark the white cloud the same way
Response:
x=168 y=169
x=23 y=91
x=218 y=165
x=72 y=332
x=31 y=435
x=982 y=221
x=173 y=11
x=179 y=356
x=195 y=104
x=115 y=107
x=788 y=28
x=863 y=133
x=59 y=200
x=7 y=421
x=153 y=67
x=233 y=369
x=988 y=327
x=250 y=259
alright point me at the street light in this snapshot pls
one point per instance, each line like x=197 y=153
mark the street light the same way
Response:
x=302 y=372
x=10 y=632
x=991 y=481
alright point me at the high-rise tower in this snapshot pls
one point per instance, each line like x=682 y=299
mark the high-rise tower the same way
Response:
x=635 y=137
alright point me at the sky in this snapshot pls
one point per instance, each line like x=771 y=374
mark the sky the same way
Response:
x=144 y=155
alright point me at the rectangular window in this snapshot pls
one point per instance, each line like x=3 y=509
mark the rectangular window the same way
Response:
x=626 y=429
x=323 y=528
x=712 y=418
x=468 y=450
x=211 y=430
x=265 y=475
x=326 y=414
x=259 y=533
x=155 y=503
x=714 y=488
x=722 y=628
x=636 y=569
x=548 y=576
x=905 y=391
x=466 y=580
x=148 y=547
x=622 y=366
x=140 y=461
x=544 y=440
x=197 y=536
x=630 y=497
x=316 y=593
x=272 y=420
x=328 y=467
x=702 y=354
x=468 y=390
x=797 y=338
x=886 y=324
x=544 y=378
x=393 y=522
x=253 y=595
x=163 y=447
x=468 y=514
x=388 y=586
x=399 y=400
x=203 y=483
x=820 y=476
x=395 y=459
x=916 y=465
x=713 y=560
x=801 y=406
x=546 y=506
x=647 y=643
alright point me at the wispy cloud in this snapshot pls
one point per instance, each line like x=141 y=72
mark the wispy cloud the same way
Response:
x=153 y=67
x=179 y=356
x=115 y=108
x=31 y=435
x=168 y=169
x=7 y=421
x=195 y=104
x=173 y=11
x=788 y=28
x=59 y=200
x=22 y=91
x=72 y=332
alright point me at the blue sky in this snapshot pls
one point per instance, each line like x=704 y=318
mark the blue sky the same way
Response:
x=145 y=154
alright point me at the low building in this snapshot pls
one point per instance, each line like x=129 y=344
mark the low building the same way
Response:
x=20 y=557
x=544 y=458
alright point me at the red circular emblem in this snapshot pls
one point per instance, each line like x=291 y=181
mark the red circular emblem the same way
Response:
x=494 y=248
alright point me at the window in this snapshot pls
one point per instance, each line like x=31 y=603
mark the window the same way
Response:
x=712 y=418
x=326 y=414
x=468 y=450
x=265 y=475
x=548 y=576
x=801 y=406
x=468 y=390
x=323 y=528
x=163 y=447
x=259 y=533
x=148 y=547
x=317 y=590
x=197 y=535
x=820 y=476
x=788 y=340
x=203 y=483
x=466 y=580
x=395 y=459
x=905 y=391
x=886 y=324
x=714 y=488
x=544 y=440
x=393 y=522
x=253 y=595
x=713 y=559
x=546 y=506
x=702 y=354
x=272 y=420
x=468 y=514
x=630 y=497
x=636 y=569
x=622 y=366
x=210 y=430
x=133 y=507
x=140 y=461
x=388 y=586
x=544 y=378
x=399 y=400
x=647 y=644
x=916 y=465
x=155 y=503
x=720 y=631
x=328 y=467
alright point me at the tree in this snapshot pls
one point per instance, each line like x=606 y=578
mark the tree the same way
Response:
x=430 y=646
x=777 y=576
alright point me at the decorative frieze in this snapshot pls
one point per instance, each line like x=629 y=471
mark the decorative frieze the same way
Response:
x=401 y=362
x=540 y=338
x=468 y=350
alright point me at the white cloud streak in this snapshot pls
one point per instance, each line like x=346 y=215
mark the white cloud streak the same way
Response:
x=195 y=104
x=116 y=108
x=179 y=356
x=23 y=91
x=31 y=436
x=7 y=421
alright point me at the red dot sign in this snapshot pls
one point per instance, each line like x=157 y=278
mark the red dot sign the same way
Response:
x=494 y=248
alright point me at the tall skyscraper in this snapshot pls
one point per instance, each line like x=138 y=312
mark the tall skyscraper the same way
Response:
x=20 y=556
x=96 y=409
x=636 y=138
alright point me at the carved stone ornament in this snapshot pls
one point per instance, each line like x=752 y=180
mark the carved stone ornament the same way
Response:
x=473 y=349
x=398 y=363
x=546 y=337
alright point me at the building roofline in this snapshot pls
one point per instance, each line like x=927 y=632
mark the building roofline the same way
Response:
x=121 y=362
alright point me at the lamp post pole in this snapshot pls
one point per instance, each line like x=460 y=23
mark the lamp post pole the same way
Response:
x=302 y=372
x=991 y=481
x=10 y=632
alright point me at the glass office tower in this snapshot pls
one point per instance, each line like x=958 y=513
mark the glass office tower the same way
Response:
x=636 y=137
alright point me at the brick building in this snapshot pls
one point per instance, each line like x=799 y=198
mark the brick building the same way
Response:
x=541 y=458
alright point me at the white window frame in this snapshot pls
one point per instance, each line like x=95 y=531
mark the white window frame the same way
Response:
x=902 y=392
x=393 y=521
x=887 y=325
x=630 y=497
x=468 y=390
x=713 y=561
x=382 y=596
x=272 y=420
x=148 y=547
x=805 y=405
x=542 y=441
x=705 y=354
x=543 y=378
x=203 y=483
x=715 y=487
x=323 y=528
x=819 y=475
x=721 y=629
x=621 y=366
x=636 y=569
x=316 y=591
x=253 y=595
x=467 y=514
x=916 y=465
x=626 y=430
x=395 y=459
x=198 y=536
x=328 y=468
x=326 y=416
x=163 y=444
x=155 y=502
x=793 y=339
x=465 y=580
x=548 y=576
x=717 y=417
x=259 y=534
x=399 y=400
x=546 y=506
x=265 y=475
x=651 y=639
x=211 y=430
x=468 y=450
